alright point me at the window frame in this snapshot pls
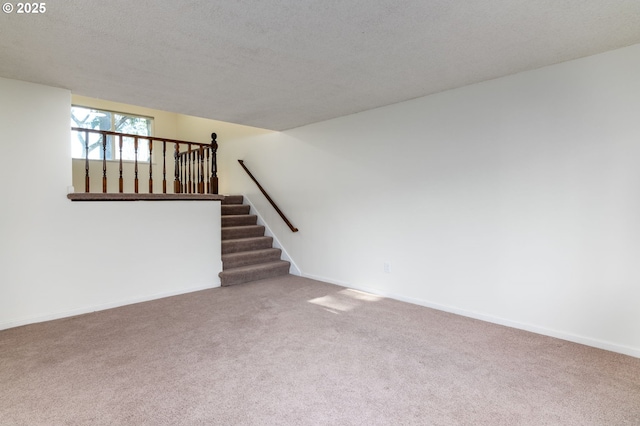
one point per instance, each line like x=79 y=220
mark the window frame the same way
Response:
x=111 y=141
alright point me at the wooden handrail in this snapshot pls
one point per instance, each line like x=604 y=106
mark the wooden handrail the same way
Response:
x=293 y=228
x=130 y=135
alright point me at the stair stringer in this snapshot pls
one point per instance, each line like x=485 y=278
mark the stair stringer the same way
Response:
x=293 y=269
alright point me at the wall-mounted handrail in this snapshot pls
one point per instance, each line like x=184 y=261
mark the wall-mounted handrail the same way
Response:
x=293 y=228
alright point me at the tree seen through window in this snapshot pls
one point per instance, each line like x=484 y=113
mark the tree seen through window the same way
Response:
x=89 y=118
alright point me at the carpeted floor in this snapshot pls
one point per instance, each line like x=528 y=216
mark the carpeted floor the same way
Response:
x=293 y=351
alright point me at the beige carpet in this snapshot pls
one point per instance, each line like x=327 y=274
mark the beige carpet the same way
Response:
x=292 y=351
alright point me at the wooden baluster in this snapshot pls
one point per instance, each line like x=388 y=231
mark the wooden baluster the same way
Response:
x=189 y=161
x=189 y=182
x=214 y=165
x=120 y=180
x=150 y=166
x=195 y=170
x=184 y=171
x=206 y=168
x=86 y=161
x=201 y=175
x=180 y=171
x=104 y=163
x=135 y=173
x=196 y=174
x=164 y=167
x=176 y=174
x=183 y=187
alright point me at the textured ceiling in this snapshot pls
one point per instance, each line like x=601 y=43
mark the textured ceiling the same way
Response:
x=280 y=64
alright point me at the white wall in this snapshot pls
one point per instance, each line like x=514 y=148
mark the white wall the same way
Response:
x=515 y=200
x=199 y=129
x=58 y=257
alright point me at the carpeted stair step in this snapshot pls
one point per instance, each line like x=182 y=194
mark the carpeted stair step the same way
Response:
x=247 y=254
x=253 y=272
x=234 y=209
x=236 y=232
x=233 y=199
x=239 y=220
x=245 y=258
x=246 y=244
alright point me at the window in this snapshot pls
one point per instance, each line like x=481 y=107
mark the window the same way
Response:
x=89 y=118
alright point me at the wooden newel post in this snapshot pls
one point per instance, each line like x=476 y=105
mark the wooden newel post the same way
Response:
x=214 y=164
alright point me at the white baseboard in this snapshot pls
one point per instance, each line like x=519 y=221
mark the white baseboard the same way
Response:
x=100 y=307
x=588 y=341
x=276 y=243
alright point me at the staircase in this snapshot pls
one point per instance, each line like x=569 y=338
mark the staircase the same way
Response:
x=247 y=254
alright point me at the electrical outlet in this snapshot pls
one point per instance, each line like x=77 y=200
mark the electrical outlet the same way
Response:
x=387 y=267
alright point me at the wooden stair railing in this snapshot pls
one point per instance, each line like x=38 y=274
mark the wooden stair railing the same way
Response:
x=293 y=228
x=193 y=165
x=195 y=168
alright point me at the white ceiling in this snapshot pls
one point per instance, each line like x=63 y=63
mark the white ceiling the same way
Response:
x=280 y=64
